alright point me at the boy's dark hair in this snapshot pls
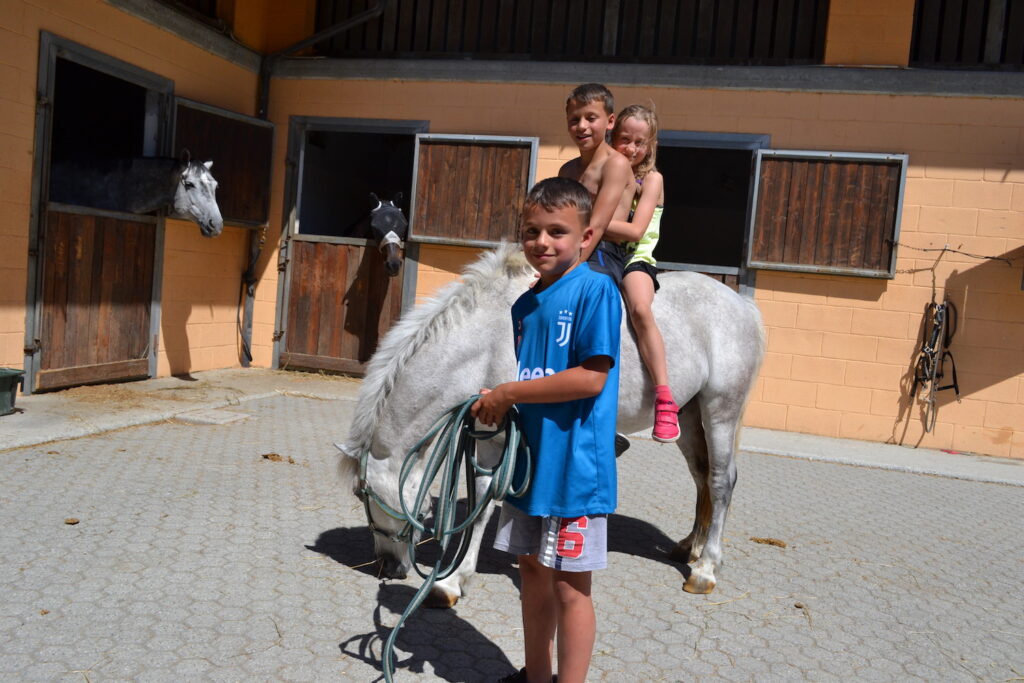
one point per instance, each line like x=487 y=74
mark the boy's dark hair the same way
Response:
x=592 y=92
x=558 y=193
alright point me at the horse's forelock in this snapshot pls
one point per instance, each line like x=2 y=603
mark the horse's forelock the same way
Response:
x=494 y=269
x=198 y=171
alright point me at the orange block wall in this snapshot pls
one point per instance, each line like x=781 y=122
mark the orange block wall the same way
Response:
x=840 y=348
x=189 y=342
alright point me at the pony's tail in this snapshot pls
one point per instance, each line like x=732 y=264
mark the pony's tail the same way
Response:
x=762 y=344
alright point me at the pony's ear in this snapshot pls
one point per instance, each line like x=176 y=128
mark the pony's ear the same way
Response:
x=373 y=198
x=208 y=164
x=346 y=450
x=397 y=198
x=185 y=156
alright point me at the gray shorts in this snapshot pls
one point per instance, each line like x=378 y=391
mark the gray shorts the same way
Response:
x=568 y=544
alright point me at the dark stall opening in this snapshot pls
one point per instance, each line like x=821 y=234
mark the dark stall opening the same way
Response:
x=707 y=191
x=97 y=119
x=341 y=169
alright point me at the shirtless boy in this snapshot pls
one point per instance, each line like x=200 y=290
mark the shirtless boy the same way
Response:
x=607 y=175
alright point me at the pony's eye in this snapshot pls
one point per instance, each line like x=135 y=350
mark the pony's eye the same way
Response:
x=189 y=185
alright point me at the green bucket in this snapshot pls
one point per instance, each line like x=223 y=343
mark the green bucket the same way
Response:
x=10 y=380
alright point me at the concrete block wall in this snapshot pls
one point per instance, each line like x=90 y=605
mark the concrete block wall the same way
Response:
x=195 y=342
x=840 y=349
x=201 y=289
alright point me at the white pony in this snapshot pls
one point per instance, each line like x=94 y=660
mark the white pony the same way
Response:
x=446 y=349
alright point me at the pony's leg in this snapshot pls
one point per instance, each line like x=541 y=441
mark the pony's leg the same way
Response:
x=721 y=439
x=694 y=448
x=447 y=592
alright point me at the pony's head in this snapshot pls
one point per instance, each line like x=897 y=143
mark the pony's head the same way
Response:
x=389 y=227
x=195 y=197
x=485 y=282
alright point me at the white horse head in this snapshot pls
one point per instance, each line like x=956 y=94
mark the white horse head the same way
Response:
x=195 y=197
x=415 y=356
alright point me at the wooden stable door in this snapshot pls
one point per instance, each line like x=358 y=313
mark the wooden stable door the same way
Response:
x=340 y=302
x=97 y=286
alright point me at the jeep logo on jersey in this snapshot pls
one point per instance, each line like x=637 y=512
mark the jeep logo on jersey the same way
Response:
x=564 y=327
x=535 y=373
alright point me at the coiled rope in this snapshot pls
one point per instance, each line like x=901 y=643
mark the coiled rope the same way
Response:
x=454 y=450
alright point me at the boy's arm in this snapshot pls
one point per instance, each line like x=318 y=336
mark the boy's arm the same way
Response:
x=582 y=381
x=632 y=231
x=615 y=177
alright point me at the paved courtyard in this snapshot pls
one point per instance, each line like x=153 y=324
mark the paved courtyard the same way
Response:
x=230 y=552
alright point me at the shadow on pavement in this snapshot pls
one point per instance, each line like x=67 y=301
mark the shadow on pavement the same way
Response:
x=353 y=547
x=632 y=536
x=350 y=546
x=440 y=637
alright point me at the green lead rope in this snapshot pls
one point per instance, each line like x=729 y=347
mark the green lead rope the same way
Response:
x=454 y=451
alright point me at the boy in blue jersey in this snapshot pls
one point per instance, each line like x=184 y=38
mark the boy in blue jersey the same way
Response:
x=566 y=330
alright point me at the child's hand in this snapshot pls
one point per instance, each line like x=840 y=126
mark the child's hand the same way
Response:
x=492 y=405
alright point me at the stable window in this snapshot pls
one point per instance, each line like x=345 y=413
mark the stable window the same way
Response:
x=97 y=118
x=733 y=205
x=342 y=165
x=241 y=148
x=827 y=212
x=469 y=188
x=707 y=200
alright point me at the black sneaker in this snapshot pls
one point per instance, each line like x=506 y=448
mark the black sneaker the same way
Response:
x=520 y=677
x=621 y=444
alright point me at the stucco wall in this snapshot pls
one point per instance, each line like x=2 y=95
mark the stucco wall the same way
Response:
x=202 y=340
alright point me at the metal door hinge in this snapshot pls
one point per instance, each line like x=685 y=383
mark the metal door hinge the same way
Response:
x=35 y=348
x=277 y=335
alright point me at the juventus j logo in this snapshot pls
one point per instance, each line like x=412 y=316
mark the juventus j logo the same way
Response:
x=564 y=327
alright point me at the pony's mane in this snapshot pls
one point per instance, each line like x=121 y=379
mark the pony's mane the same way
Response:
x=420 y=325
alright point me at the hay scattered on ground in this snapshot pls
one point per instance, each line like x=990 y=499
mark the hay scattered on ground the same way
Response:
x=121 y=396
x=769 y=541
x=277 y=457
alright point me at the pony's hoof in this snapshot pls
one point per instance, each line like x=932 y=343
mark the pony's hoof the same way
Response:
x=438 y=598
x=699 y=584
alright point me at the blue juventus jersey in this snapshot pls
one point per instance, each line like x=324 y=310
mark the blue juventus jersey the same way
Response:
x=573 y=443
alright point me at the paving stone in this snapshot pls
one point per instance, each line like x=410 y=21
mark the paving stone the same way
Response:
x=212 y=416
x=192 y=562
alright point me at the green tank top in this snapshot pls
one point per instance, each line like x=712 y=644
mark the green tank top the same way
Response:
x=644 y=249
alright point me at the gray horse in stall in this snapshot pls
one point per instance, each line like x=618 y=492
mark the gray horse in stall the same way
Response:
x=141 y=185
x=446 y=349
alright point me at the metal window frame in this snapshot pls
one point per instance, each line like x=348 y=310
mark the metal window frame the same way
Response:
x=298 y=127
x=889 y=273
x=52 y=47
x=725 y=141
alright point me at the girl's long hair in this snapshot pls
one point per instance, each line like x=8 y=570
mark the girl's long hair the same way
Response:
x=647 y=115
